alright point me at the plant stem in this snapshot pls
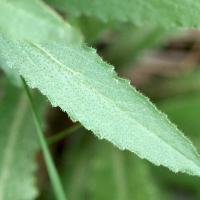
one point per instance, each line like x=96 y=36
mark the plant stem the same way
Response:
x=62 y=134
x=53 y=174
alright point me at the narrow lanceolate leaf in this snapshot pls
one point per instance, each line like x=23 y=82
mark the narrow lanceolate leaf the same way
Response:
x=76 y=79
x=18 y=145
x=33 y=20
x=166 y=12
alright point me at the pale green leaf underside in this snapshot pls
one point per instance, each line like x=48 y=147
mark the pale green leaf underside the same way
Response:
x=33 y=20
x=18 y=145
x=77 y=80
x=161 y=12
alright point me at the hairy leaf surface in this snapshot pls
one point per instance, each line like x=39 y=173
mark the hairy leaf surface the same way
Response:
x=165 y=13
x=33 y=20
x=76 y=79
x=18 y=145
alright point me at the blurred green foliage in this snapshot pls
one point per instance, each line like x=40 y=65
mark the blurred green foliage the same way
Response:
x=93 y=169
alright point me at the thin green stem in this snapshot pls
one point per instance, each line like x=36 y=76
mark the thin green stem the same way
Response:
x=63 y=134
x=53 y=174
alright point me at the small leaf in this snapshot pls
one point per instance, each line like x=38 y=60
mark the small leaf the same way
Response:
x=33 y=20
x=18 y=145
x=75 y=78
x=166 y=13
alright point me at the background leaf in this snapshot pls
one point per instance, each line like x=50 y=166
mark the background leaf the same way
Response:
x=88 y=89
x=184 y=110
x=33 y=20
x=94 y=169
x=18 y=145
x=164 y=13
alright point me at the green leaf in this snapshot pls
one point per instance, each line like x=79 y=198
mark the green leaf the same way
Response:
x=75 y=169
x=120 y=175
x=96 y=170
x=164 y=13
x=76 y=79
x=185 y=112
x=33 y=20
x=18 y=145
